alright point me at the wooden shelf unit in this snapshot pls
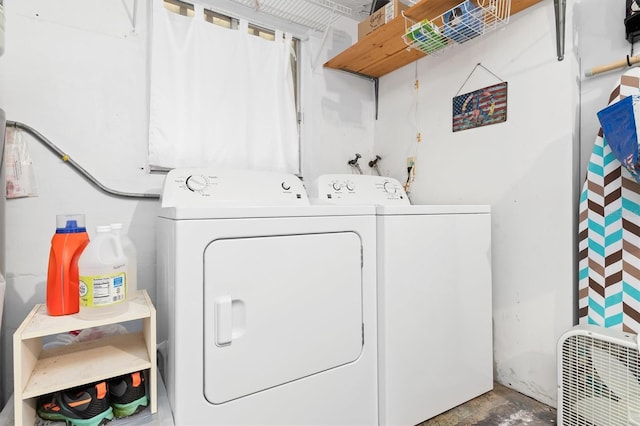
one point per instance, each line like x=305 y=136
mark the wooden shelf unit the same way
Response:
x=39 y=372
x=384 y=50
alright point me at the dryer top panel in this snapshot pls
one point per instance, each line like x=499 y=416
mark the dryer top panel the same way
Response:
x=203 y=188
x=344 y=189
x=257 y=212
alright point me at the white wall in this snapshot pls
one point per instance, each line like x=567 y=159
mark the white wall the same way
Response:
x=339 y=122
x=524 y=168
x=76 y=72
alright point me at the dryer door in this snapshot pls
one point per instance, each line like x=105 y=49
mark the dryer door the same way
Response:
x=278 y=309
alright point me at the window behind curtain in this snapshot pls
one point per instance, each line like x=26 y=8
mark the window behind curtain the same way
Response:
x=219 y=95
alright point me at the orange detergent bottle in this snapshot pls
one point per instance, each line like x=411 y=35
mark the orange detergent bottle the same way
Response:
x=70 y=239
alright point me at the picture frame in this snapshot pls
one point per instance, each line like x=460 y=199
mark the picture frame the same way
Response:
x=480 y=107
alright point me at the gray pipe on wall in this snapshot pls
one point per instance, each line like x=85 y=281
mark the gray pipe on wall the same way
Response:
x=53 y=148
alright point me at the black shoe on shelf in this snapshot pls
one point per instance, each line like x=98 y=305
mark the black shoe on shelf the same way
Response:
x=81 y=406
x=128 y=394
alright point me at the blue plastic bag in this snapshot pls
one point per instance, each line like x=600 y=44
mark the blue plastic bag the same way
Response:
x=463 y=22
x=620 y=129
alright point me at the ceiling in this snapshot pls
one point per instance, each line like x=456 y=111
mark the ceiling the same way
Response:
x=313 y=14
x=360 y=8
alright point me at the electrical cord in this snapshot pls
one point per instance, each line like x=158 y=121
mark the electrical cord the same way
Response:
x=408 y=182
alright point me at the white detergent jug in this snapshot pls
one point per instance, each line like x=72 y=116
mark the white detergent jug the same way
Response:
x=103 y=276
x=131 y=253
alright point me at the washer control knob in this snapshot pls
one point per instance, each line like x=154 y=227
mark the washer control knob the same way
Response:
x=337 y=186
x=196 y=183
x=285 y=186
x=350 y=187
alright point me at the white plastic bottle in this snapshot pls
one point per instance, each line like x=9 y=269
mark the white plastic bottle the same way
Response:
x=103 y=276
x=132 y=259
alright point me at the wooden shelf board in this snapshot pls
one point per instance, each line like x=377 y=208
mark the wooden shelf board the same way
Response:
x=429 y=9
x=378 y=46
x=42 y=324
x=383 y=50
x=80 y=363
x=520 y=5
x=392 y=63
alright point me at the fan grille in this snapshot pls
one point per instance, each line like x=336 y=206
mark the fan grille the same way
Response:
x=599 y=381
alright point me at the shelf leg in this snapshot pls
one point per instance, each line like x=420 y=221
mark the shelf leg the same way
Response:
x=560 y=6
x=376 y=91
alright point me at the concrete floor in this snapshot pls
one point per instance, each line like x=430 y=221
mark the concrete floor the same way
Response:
x=500 y=407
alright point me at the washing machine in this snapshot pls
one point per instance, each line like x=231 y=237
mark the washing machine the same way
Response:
x=266 y=305
x=435 y=346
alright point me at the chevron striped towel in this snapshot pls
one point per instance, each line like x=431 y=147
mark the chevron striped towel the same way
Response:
x=620 y=128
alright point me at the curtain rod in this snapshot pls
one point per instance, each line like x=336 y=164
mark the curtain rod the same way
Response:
x=629 y=61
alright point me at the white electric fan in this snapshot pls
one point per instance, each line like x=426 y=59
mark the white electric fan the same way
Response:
x=598 y=377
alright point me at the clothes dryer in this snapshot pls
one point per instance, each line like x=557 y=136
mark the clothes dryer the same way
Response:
x=435 y=348
x=266 y=305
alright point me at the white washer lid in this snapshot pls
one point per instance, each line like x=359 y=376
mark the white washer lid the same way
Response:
x=432 y=210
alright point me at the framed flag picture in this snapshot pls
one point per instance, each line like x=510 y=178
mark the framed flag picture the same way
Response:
x=480 y=108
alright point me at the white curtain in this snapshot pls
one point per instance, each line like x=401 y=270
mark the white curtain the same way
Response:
x=219 y=97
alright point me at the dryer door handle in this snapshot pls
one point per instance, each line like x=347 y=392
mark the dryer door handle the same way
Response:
x=224 y=321
x=230 y=320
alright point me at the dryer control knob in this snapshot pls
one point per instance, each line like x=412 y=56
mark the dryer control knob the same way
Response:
x=285 y=186
x=196 y=183
x=389 y=188
x=337 y=186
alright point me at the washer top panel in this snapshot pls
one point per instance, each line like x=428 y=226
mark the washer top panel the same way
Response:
x=344 y=189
